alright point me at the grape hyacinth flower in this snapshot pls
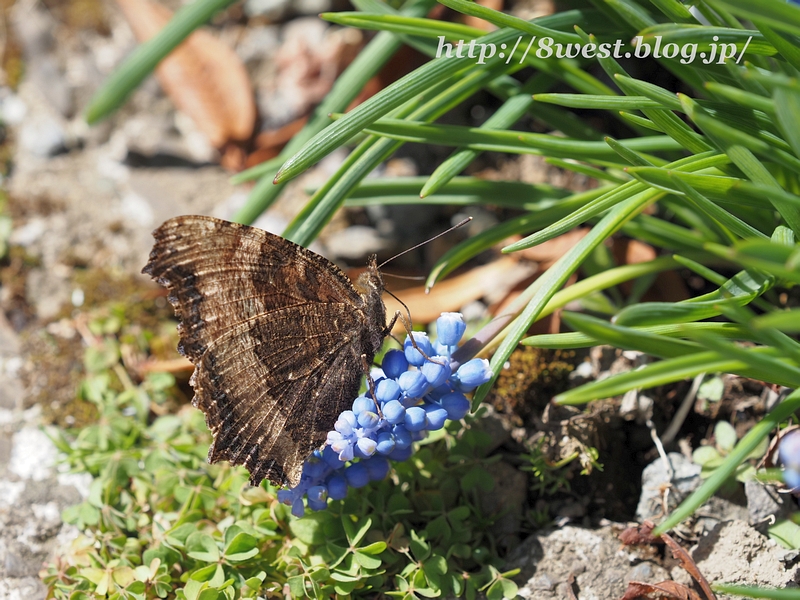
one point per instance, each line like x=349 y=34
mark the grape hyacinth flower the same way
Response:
x=415 y=395
x=789 y=452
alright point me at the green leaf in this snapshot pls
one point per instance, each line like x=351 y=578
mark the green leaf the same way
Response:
x=419 y=547
x=787 y=111
x=309 y=529
x=367 y=561
x=711 y=389
x=477 y=477
x=202 y=546
x=780 y=15
x=241 y=548
x=144 y=59
x=725 y=436
x=373 y=548
x=787 y=321
x=706 y=456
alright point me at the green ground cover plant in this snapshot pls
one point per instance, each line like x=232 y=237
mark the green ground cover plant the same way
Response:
x=710 y=176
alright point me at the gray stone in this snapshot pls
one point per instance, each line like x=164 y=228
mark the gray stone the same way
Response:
x=600 y=565
x=764 y=502
x=734 y=552
x=27 y=588
x=42 y=136
x=685 y=479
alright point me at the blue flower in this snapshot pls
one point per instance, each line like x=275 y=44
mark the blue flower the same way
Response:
x=394 y=363
x=415 y=418
x=413 y=384
x=435 y=416
x=789 y=452
x=414 y=394
x=456 y=405
x=436 y=371
x=473 y=373
x=450 y=327
x=394 y=412
x=387 y=390
x=412 y=354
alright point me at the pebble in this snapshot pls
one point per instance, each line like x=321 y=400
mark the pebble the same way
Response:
x=42 y=136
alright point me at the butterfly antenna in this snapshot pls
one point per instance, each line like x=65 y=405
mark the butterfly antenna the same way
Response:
x=408 y=277
x=446 y=231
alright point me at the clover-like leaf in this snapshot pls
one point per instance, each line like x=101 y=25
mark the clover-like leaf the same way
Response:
x=201 y=546
x=725 y=436
x=366 y=561
x=241 y=548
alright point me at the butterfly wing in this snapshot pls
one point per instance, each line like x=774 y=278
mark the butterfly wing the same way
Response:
x=276 y=333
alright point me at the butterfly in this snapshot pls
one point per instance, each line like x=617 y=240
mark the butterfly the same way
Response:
x=279 y=336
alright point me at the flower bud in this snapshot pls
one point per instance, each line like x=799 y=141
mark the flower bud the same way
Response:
x=362 y=404
x=377 y=468
x=357 y=475
x=346 y=423
x=435 y=416
x=473 y=373
x=415 y=418
x=394 y=412
x=365 y=447
x=413 y=383
x=387 y=389
x=456 y=405
x=436 y=372
x=368 y=419
x=450 y=327
x=318 y=497
x=412 y=354
x=402 y=437
x=386 y=443
x=337 y=487
x=394 y=363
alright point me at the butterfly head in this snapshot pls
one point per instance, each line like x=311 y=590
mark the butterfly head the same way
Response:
x=370 y=287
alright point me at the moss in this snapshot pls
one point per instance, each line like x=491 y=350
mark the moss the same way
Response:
x=534 y=376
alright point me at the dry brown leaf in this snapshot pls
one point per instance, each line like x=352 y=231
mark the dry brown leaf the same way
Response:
x=666 y=590
x=453 y=293
x=668 y=285
x=643 y=534
x=480 y=23
x=550 y=251
x=688 y=564
x=203 y=77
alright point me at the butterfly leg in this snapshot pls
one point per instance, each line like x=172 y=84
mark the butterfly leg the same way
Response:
x=371 y=385
x=410 y=331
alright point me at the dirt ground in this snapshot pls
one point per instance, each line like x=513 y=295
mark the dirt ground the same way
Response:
x=86 y=199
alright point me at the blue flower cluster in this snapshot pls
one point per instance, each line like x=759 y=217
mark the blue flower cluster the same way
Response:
x=412 y=395
x=789 y=452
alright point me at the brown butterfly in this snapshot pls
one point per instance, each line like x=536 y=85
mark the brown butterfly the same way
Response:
x=279 y=337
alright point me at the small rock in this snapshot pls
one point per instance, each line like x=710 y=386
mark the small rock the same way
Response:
x=12 y=109
x=763 y=502
x=734 y=552
x=42 y=136
x=26 y=588
x=594 y=558
x=685 y=479
x=32 y=454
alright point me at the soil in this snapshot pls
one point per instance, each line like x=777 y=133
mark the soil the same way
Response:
x=82 y=203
